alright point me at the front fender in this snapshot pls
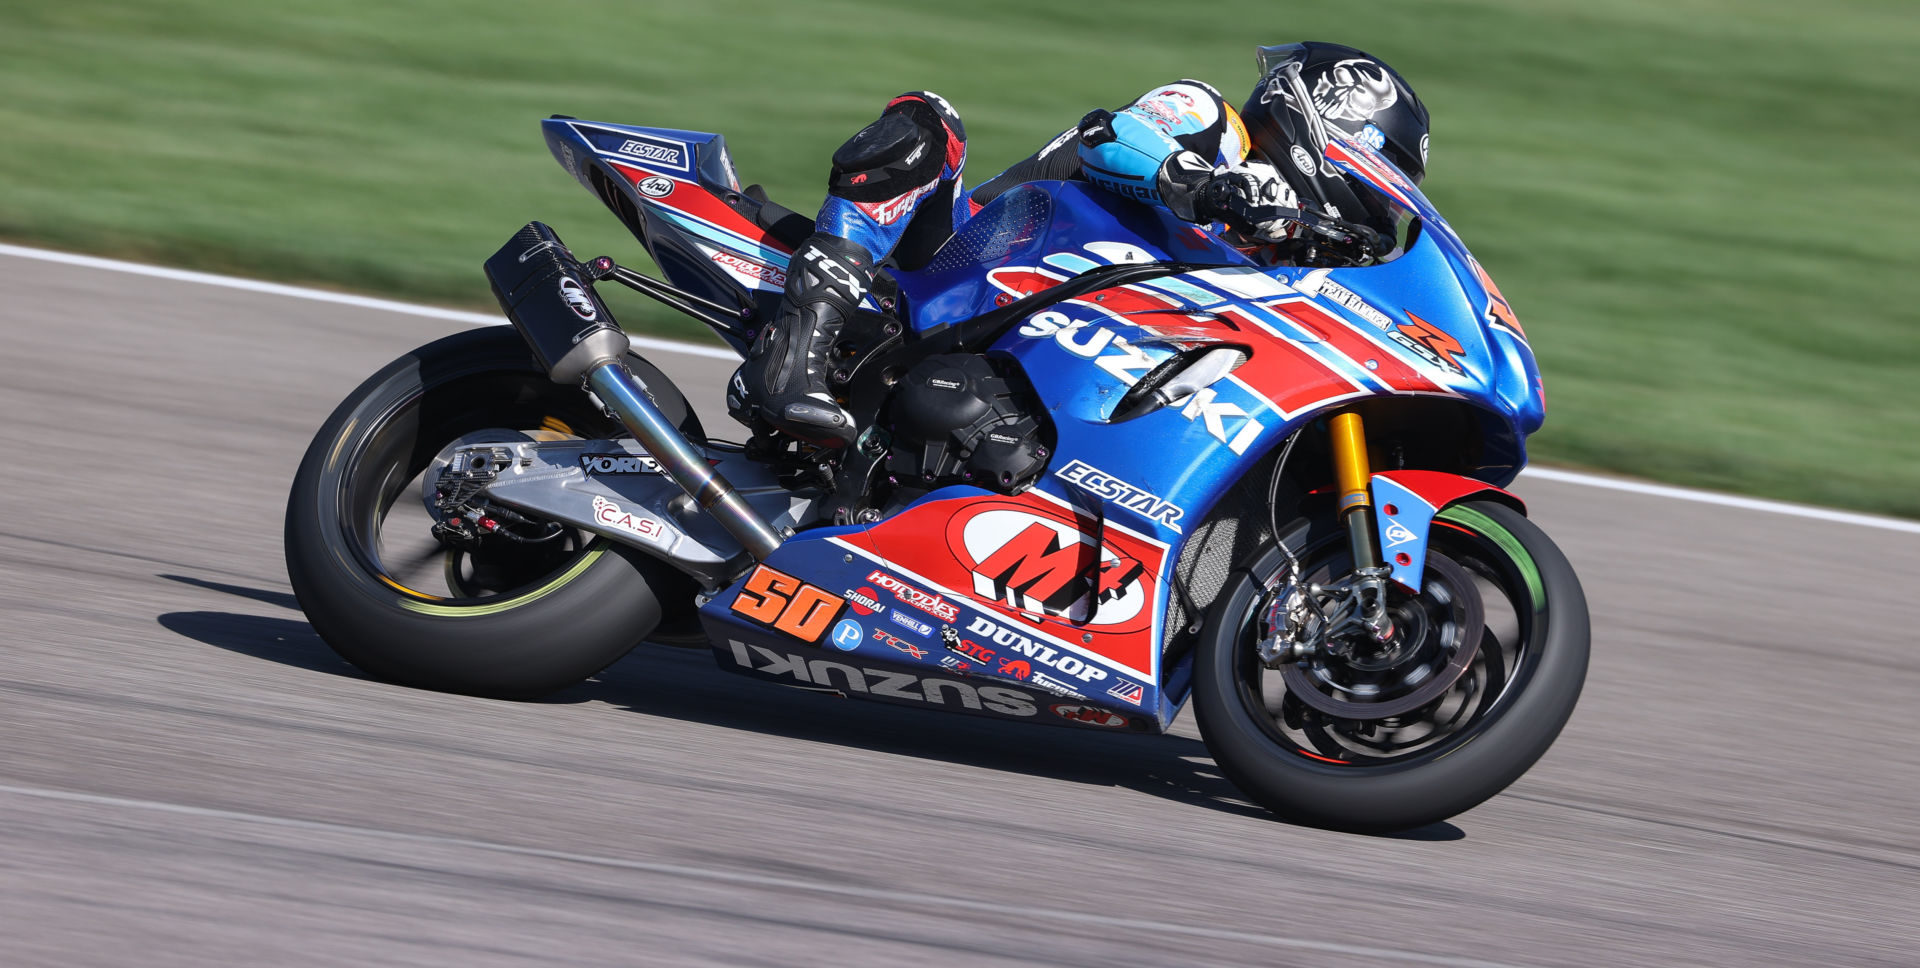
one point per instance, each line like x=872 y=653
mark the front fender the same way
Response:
x=1404 y=504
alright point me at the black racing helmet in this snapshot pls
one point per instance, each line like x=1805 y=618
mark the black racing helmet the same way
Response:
x=1354 y=94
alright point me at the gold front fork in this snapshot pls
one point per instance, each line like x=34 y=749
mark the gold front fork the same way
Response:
x=1351 y=473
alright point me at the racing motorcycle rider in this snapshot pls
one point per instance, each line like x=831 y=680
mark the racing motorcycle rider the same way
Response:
x=895 y=191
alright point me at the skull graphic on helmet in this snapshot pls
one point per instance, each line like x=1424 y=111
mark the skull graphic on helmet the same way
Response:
x=1354 y=90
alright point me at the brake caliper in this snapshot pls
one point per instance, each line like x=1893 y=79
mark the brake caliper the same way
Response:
x=462 y=518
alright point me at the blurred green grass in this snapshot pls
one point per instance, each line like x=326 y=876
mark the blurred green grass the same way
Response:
x=1700 y=208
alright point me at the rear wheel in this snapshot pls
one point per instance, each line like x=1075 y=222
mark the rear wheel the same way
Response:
x=502 y=618
x=1379 y=739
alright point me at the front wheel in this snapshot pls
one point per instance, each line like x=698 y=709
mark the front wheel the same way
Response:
x=1504 y=623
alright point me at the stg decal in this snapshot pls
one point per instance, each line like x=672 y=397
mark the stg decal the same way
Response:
x=967 y=648
x=788 y=605
x=1102 y=484
x=902 y=686
x=1046 y=655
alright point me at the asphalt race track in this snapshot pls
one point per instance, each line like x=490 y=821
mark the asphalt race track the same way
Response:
x=188 y=776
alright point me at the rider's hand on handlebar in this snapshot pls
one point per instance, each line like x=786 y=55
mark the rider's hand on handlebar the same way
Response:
x=1252 y=198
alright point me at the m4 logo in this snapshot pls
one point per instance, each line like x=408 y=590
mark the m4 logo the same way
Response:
x=1040 y=572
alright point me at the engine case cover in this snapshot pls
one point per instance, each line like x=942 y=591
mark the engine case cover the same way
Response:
x=967 y=419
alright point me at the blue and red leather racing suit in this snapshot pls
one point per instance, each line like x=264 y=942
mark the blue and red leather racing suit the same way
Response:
x=896 y=192
x=1125 y=152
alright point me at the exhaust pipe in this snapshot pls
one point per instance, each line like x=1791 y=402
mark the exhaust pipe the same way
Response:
x=551 y=302
x=626 y=396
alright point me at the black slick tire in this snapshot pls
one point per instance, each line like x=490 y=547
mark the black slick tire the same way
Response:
x=519 y=645
x=1424 y=790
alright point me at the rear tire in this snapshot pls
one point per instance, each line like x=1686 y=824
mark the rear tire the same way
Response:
x=1350 y=790
x=574 y=614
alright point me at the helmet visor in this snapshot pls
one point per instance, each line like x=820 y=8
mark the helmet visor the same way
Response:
x=1272 y=58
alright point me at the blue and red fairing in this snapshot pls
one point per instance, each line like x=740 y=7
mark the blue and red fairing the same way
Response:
x=1051 y=605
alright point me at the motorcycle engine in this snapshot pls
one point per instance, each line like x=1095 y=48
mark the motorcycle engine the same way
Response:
x=965 y=419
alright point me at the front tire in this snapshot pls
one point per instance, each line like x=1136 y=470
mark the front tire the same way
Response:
x=1346 y=775
x=518 y=625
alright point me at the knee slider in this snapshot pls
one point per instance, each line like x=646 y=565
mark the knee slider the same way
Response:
x=887 y=159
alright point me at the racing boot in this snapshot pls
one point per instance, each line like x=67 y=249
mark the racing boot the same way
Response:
x=783 y=383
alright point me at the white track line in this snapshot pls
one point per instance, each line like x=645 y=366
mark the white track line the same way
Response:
x=1724 y=500
x=782 y=884
x=721 y=353
x=321 y=295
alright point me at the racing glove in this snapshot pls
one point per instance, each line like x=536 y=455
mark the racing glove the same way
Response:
x=1251 y=197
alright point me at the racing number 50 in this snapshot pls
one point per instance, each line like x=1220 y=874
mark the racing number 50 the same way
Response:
x=787 y=604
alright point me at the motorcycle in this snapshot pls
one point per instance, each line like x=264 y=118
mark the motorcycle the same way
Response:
x=1111 y=465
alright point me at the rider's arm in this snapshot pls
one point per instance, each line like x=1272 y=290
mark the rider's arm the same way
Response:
x=1170 y=147
x=1127 y=152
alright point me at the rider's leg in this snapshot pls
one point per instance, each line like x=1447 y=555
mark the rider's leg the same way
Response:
x=880 y=179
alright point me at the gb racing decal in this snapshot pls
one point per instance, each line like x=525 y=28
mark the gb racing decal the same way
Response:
x=787 y=605
x=877 y=684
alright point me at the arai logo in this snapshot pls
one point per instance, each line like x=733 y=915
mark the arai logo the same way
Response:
x=657 y=186
x=1301 y=159
x=577 y=299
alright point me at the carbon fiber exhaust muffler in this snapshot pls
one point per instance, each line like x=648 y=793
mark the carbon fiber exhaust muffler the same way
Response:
x=551 y=302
